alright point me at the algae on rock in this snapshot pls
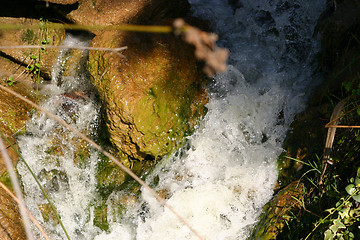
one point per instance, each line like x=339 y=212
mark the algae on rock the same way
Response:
x=153 y=97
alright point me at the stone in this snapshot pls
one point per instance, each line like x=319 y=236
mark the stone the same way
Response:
x=337 y=27
x=154 y=96
x=13 y=111
x=277 y=211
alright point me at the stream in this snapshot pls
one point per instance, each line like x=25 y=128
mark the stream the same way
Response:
x=220 y=181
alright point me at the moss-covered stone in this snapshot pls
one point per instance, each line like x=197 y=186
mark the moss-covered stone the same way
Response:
x=154 y=96
x=48 y=214
x=279 y=210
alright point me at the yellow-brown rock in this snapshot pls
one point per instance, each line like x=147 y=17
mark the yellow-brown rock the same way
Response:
x=13 y=111
x=277 y=211
x=154 y=96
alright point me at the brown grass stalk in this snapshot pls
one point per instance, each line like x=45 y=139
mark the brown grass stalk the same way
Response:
x=64 y=47
x=123 y=27
x=341 y=126
x=334 y=119
x=33 y=219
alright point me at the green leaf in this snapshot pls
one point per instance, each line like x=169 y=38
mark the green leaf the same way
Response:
x=347 y=85
x=38 y=65
x=350 y=189
x=358 y=173
x=328 y=234
x=337 y=224
x=357 y=180
x=358 y=111
x=356 y=198
x=33 y=56
x=344 y=212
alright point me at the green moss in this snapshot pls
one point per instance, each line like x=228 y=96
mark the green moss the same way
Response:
x=28 y=36
x=109 y=177
x=100 y=216
x=5 y=179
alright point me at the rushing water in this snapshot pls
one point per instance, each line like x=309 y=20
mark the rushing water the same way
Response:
x=221 y=180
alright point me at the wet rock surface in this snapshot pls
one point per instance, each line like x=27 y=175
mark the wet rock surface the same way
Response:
x=154 y=96
x=61 y=1
x=277 y=211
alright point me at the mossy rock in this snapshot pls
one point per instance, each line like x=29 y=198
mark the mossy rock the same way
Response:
x=154 y=97
x=277 y=212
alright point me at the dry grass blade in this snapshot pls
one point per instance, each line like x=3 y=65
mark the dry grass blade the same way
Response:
x=332 y=130
x=123 y=27
x=342 y=126
x=99 y=148
x=16 y=186
x=334 y=119
x=27 y=211
x=64 y=47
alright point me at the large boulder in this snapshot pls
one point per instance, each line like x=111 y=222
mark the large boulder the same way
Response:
x=154 y=94
x=338 y=27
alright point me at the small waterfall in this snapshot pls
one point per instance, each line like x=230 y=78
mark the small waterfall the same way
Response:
x=64 y=164
x=222 y=178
